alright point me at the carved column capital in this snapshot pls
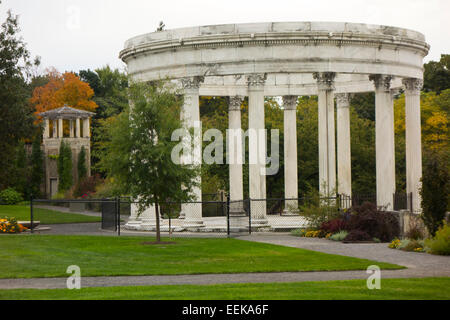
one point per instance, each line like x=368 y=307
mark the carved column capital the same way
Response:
x=256 y=80
x=413 y=85
x=192 y=82
x=235 y=103
x=343 y=99
x=290 y=102
x=381 y=82
x=325 y=80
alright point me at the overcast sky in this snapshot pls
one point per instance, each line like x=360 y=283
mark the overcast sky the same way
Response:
x=53 y=31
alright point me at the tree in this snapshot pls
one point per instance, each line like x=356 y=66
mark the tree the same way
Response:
x=138 y=152
x=437 y=75
x=82 y=170
x=65 y=167
x=16 y=117
x=63 y=89
x=435 y=190
x=37 y=169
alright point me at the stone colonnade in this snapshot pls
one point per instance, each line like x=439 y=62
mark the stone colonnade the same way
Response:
x=74 y=128
x=334 y=170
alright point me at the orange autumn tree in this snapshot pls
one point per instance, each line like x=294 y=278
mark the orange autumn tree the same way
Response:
x=63 y=89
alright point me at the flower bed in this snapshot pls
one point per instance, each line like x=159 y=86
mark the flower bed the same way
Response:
x=10 y=225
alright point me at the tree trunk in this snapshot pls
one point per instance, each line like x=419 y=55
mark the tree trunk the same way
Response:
x=158 y=231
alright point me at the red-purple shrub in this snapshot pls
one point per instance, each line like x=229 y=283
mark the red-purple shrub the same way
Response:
x=377 y=224
x=87 y=186
x=358 y=235
x=334 y=225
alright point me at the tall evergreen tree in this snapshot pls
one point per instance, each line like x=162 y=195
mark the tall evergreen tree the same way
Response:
x=82 y=170
x=37 y=168
x=65 y=168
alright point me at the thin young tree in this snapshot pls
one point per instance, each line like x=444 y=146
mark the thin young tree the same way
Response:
x=138 y=151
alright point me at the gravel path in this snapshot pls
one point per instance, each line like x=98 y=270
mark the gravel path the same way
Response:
x=418 y=265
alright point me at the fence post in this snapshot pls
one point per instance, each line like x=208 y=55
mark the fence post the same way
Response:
x=228 y=215
x=118 y=215
x=249 y=216
x=31 y=213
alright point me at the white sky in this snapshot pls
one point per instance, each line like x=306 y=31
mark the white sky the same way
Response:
x=51 y=31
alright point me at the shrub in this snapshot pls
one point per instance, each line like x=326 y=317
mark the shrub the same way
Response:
x=440 y=244
x=340 y=236
x=87 y=186
x=435 y=190
x=10 y=196
x=396 y=243
x=319 y=209
x=298 y=232
x=414 y=232
x=373 y=222
x=412 y=245
x=358 y=235
x=334 y=226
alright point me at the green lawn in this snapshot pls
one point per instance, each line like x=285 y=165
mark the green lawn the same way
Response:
x=391 y=289
x=27 y=256
x=22 y=213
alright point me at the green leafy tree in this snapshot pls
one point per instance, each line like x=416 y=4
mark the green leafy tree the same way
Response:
x=37 y=169
x=139 y=148
x=16 y=117
x=65 y=167
x=435 y=190
x=82 y=170
x=437 y=75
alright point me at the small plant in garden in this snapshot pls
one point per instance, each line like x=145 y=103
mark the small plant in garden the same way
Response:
x=10 y=196
x=298 y=232
x=10 y=225
x=339 y=236
x=395 y=244
x=440 y=243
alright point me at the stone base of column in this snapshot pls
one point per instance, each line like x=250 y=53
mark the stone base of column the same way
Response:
x=238 y=222
x=260 y=223
x=193 y=225
x=148 y=225
x=290 y=212
x=134 y=224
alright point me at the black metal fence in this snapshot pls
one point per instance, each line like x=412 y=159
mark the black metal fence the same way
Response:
x=216 y=214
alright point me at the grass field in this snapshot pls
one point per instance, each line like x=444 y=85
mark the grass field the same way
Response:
x=45 y=216
x=28 y=256
x=391 y=289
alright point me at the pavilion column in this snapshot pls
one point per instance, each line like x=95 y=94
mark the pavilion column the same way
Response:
x=77 y=128
x=71 y=128
x=60 y=128
x=257 y=149
x=86 y=128
x=235 y=159
x=190 y=116
x=344 y=159
x=413 y=141
x=46 y=128
x=290 y=154
x=327 y=144
x=55 y=129
x=385 y=140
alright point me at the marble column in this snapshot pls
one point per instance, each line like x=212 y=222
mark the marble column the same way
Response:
x=413 y=141
x=257 y=149
x=385 y=140
x=55 y=129
x=327 y=144
x=60 y=128
x=46 y=128
x=190 y=114
x=235 y=160
x=86 y=128
x=290 y=154
x=344 y=159
x=71 y=128
x=77 y=128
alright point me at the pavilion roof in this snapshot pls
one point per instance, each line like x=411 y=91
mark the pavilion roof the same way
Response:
x=66 y=112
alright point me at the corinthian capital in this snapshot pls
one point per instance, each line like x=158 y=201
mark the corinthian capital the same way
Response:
x=235 y=103
x=413 y=84
x=325 y=80
x=192 y=82
x=290 y=102
x=256 y=79
x=381 y=82
x=343 y=99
